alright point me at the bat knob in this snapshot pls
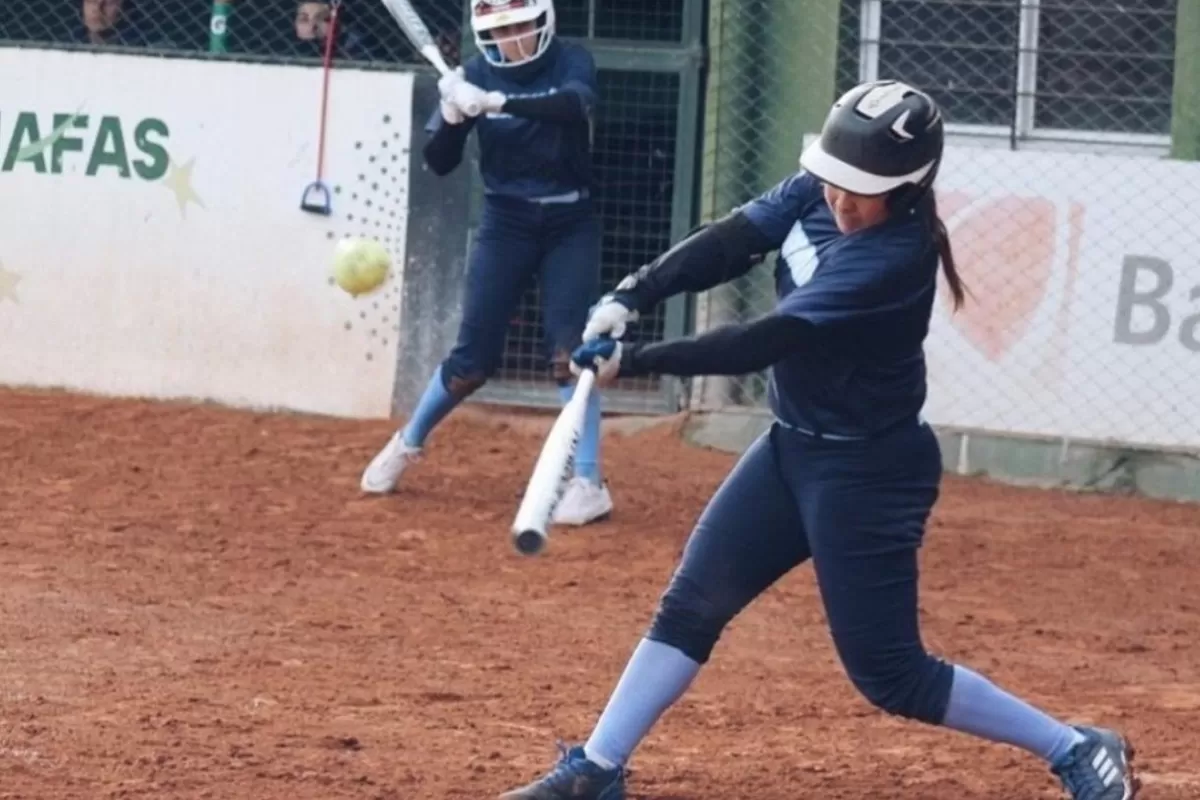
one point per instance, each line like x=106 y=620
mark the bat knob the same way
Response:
x=529 y=542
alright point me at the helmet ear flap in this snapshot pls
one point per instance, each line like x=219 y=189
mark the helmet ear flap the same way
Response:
x=910 y=194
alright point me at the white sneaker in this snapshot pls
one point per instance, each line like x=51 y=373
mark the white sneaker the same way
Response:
x=385 y=469
x=583 y=502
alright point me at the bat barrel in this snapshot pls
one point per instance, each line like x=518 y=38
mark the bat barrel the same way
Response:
x=551 y=472
x=529 y=542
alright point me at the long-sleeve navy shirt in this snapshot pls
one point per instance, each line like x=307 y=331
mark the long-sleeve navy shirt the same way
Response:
x=539 y=144
x=845 y=341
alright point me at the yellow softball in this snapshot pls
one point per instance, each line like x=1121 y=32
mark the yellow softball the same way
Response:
x=360 y=265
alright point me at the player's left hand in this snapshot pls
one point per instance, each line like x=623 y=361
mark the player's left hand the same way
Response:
x=466 y=94
x=602 y=355
x=609 y=317
x=448 y=85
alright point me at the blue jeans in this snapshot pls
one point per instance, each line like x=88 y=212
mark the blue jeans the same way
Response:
x=518 y=242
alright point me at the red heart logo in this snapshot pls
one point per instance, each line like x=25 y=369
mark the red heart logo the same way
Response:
x=1004 y=249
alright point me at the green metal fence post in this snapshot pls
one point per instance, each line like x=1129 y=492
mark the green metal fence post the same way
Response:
x=1185 y=103
x=723 y=154
x=802 y=81
x=687 y=141
x=765 y=92
x=218 y=26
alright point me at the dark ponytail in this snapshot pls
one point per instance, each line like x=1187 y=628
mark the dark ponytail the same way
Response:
x=941 y=240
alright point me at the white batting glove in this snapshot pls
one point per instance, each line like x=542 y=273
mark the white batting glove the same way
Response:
x=447 y=82
x=609 y=318
x=467 y=96
x=452 y=113
x=447 y=86
x=493 y=102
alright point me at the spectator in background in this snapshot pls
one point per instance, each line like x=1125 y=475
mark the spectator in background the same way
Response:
x=107 y=22
x=311 y=23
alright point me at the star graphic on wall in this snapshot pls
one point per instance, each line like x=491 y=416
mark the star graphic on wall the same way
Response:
x=8 y=284
x=179 y=181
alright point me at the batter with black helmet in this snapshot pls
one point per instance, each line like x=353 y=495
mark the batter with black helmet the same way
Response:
x=847 y=473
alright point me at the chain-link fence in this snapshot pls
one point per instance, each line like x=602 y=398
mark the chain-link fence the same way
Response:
x=643 y=152
x=289 y=29
x=1069 y=187
x=1069 y=183
x=634 y=161
x=260 y=29
x=636 y=132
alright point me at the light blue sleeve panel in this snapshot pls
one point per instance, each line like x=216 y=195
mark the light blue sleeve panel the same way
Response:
x=775 y=211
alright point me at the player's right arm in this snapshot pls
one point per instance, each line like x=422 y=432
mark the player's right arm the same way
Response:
x=710 y=256
x=574 y=102
x=449 y=125
x=874 y=275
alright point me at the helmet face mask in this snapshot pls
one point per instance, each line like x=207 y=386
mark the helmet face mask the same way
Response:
x=491 y=22
x=880 y=138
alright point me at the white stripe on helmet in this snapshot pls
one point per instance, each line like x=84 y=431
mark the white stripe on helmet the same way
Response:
x=834 y=171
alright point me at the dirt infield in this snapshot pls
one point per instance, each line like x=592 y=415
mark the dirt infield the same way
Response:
x=197 y=603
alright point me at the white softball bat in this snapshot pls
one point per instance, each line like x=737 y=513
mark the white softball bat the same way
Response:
x=552 y=471
x=414 y=28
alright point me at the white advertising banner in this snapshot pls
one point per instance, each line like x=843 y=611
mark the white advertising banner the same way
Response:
x=1085 y=317
x=152 y=238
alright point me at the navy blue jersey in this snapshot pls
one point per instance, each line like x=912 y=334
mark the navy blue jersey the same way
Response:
x=527 y=157
x=867 y=295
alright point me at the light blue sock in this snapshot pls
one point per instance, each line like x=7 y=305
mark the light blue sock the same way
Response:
x=656 y=676
x=587 y=456
x=980 y=708
x=433 y=407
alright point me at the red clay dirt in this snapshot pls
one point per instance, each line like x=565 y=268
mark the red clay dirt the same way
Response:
x=197 y=603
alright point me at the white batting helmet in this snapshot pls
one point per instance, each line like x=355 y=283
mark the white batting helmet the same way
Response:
x=488 y=15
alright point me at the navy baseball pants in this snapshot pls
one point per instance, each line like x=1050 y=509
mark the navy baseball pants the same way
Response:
x=518 y=241
x=857 y=509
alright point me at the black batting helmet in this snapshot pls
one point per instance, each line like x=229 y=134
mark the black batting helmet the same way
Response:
x=879 y=137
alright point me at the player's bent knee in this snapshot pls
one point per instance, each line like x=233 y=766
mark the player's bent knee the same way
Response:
x=560 y=367
x=462 y=386
x=467 y=368
x=915 y=688
x=688 y=620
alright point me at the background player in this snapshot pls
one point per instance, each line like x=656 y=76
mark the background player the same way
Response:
x=538 y=222
x=848 y=473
